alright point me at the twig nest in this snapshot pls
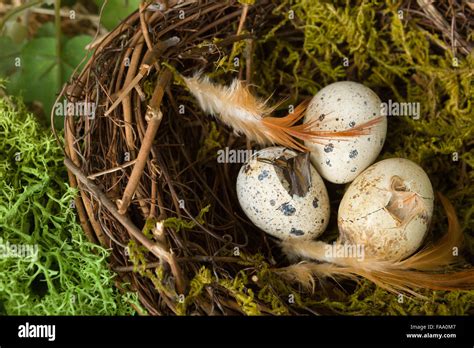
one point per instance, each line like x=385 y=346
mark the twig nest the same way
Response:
x=283 y=194
x=387 y=209
x=343 y=106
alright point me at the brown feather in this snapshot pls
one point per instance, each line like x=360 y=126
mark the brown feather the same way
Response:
x=246 y=114
x=434 y=267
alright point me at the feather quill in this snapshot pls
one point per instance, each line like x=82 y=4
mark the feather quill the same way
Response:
x=247 y=114
x=428 y=268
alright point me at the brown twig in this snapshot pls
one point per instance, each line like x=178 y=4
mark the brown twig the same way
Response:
x=144 y=26
x=153 y=125
x=197 y=258
x=447 y=30
x=155 y=248
x=111 y=170
x=167 y=175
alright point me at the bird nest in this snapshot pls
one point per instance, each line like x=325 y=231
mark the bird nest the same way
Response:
x=150 y=187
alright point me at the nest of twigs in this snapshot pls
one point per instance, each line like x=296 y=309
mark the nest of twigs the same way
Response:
x=149 y=190
x=139 y=159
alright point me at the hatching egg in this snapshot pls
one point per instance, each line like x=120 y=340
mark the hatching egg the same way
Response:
x=387 y=209
x=268 y=194
x=342 y=106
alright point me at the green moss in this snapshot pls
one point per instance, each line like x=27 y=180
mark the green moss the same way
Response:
x=148 y=88
x=149 y=226
x=395 y=57
x=268 y=296
x=399 y=60
x=69 y=276
x=370 y=300
x=137 y=254
x=179 y=224
x=237 y=287
x=202 y=278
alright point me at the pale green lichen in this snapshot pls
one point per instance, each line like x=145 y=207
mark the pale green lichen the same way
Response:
x=70 y=275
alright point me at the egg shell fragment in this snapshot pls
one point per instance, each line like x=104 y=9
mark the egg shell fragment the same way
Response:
x=263 y=194
x=387 y=209
x=341 y=106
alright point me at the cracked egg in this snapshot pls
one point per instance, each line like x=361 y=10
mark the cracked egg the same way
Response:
x=387 y=209
x=282 y=194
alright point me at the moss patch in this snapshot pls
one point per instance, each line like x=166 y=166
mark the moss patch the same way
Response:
x=387 y=49
x=69 y=275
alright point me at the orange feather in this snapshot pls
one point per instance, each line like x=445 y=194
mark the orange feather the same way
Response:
x=433 y=267
x=246 y=114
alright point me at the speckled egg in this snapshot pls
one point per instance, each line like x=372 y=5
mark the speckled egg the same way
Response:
x=343 y=106
x=387 y=209
x=264 y=195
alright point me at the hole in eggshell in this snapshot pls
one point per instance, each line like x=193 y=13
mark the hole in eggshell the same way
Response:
x=281 y=177
x=404 y=205
x=397 y=184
